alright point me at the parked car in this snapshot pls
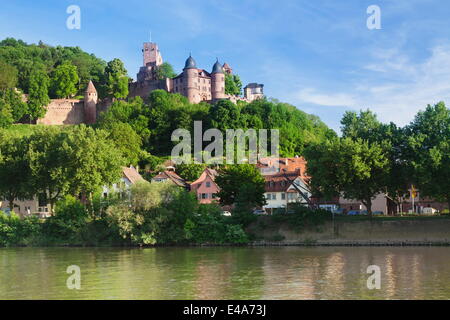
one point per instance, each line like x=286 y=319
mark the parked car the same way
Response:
x=259 y=212
x=354 y=213
x=378 y=213
x=226 y=213
x=339 y=211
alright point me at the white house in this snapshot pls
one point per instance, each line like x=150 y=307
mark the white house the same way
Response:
x=283 y=189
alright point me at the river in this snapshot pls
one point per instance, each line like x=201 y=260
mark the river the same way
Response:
x=226 y=273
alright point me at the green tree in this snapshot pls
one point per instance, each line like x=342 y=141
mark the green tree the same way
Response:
x=14 y=168
x=127 y=141
x=64 y=82
x=190 y=172
x=8 y=76
x=117 y=79
x=38 y=94
x=233 y=84
x=429 y=151
x=242 y=177
x=165 y=70
x=354 y=168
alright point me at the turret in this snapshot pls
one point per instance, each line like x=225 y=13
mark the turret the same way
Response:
x=217 y=82
x=90 y=104
x=190 y=74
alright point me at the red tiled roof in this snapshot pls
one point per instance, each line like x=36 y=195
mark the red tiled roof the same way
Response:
x=172 y=176
x=132 y=174
x=280 y=182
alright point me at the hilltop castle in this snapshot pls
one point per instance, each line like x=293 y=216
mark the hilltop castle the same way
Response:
x=194 y=83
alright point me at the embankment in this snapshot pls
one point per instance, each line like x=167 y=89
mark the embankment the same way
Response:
x=404 y=232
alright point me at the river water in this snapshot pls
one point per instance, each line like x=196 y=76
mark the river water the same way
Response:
x=226 y=273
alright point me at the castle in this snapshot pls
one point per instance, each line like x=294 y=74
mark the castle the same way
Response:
x=194 y=83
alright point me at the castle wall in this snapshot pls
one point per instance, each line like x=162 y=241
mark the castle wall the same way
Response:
x=63 y=111
x=143 y=89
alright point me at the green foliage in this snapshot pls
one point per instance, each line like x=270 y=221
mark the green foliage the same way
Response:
x=241 y=183
x=164 y=71
x=302 y=217
x=190 y=172
x=64 y=80
x=38 y=94
x=15 y=231
x=12 y=107
x=117 y=79
x=233 y=84
x=66 y=225
x=429 y=151
x=28 y=58
x=8 y=76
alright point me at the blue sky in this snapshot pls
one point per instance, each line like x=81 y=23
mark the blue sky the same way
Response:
x=317 y=55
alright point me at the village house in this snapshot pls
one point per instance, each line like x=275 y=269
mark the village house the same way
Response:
x=205 y=187
x=172 y=177
x=284 y=188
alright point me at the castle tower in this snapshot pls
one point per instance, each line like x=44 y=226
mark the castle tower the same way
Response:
x=226 y=68
x=90 y=104
x=191 y=82
x=151 y=54
x=217 y=82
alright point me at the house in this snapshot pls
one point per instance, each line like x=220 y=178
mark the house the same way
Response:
x=270 y=166
x=205 y=187
x=170 y=176
x=130 y=176
x=284 y=188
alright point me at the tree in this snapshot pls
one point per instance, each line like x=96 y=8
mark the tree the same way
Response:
x=242 y=177
x=117 y=79
x=429 y=151
x=126 y=140
x=73 y=161
x=190 y=172
x=14 y=169
x=38 y=94
x=64 y=81
x=12 y=106
x=233 y=84
x=8 y=76
x=354 y=168
x=164 y=71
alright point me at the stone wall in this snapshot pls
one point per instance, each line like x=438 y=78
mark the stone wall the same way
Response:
x=64 y=111
x=425 y=230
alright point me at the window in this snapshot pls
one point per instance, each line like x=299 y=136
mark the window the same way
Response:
x=204 y=196
x=274 y=196
x=208 y=184
x=268 y=196
x=283 y=196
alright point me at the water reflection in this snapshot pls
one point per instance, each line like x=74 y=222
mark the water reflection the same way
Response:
x=225 y=273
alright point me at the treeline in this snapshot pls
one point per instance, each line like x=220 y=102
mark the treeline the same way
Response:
x=151 y=214
x=52 y=162
x=43 y=72
x=372 y=158
x=155 y=119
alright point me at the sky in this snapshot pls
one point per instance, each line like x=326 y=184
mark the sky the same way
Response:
x=317 y=55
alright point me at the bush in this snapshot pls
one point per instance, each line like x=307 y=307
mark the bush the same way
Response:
x=67 y=224
x=302 y=217
x=16 y=232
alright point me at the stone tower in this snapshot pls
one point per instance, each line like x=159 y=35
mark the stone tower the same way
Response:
x=90 y=104
x=151 y=54
x=217 y=82
x=191 y=85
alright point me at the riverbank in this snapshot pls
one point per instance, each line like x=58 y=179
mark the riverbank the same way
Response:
x=346 y=231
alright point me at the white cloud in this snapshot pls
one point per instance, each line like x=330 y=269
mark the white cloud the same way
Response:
x=395 y=89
